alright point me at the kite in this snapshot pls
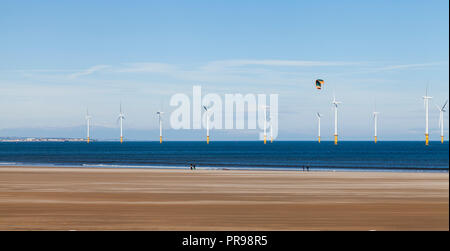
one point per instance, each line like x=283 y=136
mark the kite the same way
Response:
x=319 y=84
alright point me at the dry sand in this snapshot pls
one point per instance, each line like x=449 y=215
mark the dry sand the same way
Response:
x=35 y=198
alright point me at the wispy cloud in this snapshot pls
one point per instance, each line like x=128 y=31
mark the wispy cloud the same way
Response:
x=409 y=66
x=238 y=71
x=89 y=71
x=219 y=65
x=232 y=71
x=150 y=67
x=397 y=67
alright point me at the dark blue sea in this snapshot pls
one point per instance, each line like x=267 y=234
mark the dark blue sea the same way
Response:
x=281 y=155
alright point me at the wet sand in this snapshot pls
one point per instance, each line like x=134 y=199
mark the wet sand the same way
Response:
x=39 y=198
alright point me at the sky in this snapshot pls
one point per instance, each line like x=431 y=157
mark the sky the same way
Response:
x=59 y=58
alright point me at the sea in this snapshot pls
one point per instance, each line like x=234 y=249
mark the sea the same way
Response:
x=386 y=156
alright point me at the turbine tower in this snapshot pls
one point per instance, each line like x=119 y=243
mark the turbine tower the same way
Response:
x=318 y=118
x=207 y=124
x=425 y=100
x=88 y=124
x=441 y=119
x=160 y=125
x=335 y=104
x=375 y=121
x=264 y=107
x=271 y=129
x=121 y=118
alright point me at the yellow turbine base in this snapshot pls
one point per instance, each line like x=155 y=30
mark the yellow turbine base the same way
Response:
x=426 y=139
x=160 y=139
x=442 y=139
x=271 y=140
x=265 y=140
x=207 y=139
x=319 y=139
x=335 y=139
x=376 y=139
x=87 y=140
x=121 y=139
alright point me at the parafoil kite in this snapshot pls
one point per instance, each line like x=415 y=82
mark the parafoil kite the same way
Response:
x=319 y=84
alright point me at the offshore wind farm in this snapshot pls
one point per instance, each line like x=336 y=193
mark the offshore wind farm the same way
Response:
x=268 y=123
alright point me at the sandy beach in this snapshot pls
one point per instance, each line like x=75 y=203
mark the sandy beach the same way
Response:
x=40 y=198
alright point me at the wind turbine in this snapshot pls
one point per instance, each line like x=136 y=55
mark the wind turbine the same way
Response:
x=441 y=119
x=375 y=121
x=121 y=118
x=160 y=125
x=425 y=100
x=88 y=123
x=264 y=107
x=318 y=117
x=207 y=124
x=335 y=104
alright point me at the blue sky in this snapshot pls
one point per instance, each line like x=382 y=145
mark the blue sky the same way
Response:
x=59 y=57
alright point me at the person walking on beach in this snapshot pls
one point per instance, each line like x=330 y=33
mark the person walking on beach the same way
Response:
x=191 y=166
x=194 y=167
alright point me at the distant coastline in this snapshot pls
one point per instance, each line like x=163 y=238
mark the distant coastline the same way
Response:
x=31 y=139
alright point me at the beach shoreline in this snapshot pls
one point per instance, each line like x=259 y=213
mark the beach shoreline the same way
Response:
x=303 y=168
x=72 y=198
